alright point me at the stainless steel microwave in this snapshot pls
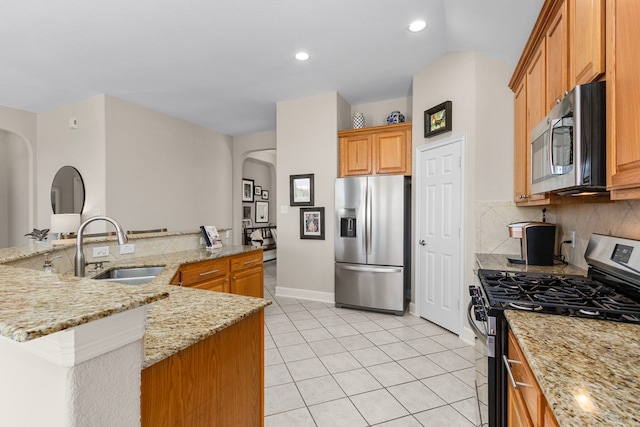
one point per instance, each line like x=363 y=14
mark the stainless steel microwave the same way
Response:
x=568 y=148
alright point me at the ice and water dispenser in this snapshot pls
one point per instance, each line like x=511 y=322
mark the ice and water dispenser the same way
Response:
x=348 y=223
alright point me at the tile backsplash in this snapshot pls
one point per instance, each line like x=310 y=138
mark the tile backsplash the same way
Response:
x=621 y=218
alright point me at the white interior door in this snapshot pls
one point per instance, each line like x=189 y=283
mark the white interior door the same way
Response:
x=439 y=197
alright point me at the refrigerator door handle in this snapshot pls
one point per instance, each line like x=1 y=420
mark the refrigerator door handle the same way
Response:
x=367 y=225
x=371 y=269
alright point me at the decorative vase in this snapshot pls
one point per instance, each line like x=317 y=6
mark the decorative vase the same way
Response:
x=395 y=117
x=358 y=120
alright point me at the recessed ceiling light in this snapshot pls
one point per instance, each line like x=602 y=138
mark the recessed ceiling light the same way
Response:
x=302 y=56
x=417 y=26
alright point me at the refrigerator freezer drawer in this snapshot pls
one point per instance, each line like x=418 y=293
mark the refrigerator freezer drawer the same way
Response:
x=370 y=287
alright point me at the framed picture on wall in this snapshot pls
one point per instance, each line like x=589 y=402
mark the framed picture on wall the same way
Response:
x=247 y=190
x=262 y=212
x=312 y=223
x=438 y=119
x=301 y=190
x=246 y=212
x=257 y=190
x=265 y=195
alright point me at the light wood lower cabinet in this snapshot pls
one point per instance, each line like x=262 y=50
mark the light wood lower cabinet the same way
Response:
x=239 y=274
x=216 y=382
x=526 y=404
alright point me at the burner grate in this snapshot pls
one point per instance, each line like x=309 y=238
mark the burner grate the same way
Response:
x=557 y=294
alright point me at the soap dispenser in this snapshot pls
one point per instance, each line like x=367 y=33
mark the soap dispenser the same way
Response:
x=48 y=264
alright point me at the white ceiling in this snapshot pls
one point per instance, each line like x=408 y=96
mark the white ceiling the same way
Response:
x=225 y=64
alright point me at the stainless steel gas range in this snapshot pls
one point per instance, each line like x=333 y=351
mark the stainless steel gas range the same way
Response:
x=610 y=291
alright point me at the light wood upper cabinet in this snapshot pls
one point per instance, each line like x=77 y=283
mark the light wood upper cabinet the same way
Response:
x=520 y=143
x=379 y=150
x=356 y=155
x=557 y=57
x=536 y=88
x=623 y=99
x=565 y=47
x=587 y=40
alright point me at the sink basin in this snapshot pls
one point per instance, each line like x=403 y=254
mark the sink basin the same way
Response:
x=130 y=276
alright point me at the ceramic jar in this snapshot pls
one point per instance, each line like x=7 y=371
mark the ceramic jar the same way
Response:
x=358 y=120
x=395 y=117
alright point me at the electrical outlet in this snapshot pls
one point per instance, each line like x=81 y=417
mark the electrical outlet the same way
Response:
x=127 y=248
x=100 y=251
x=573 y=240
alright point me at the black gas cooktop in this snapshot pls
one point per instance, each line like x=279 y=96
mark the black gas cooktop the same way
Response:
x=569 y=295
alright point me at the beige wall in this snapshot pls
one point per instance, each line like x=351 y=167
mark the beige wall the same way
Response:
x=307 y=144
x=165 y=172
x=474 y=84
x=83 y=148
x=375 y=113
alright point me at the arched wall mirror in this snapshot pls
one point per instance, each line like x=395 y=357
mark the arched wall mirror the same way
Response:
x=67 y=191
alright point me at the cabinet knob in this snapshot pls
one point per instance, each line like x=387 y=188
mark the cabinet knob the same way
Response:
x=226 y=280
x=558 y=101
x=234 y=277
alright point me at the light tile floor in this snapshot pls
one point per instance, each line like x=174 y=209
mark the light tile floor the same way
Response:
x=326 y=366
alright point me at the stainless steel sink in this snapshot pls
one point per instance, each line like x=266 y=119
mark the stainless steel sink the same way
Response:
x=130 y=276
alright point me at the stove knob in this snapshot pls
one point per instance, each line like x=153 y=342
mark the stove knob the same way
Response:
x=479 y=314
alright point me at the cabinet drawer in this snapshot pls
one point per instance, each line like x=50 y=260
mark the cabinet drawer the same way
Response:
x=252 y=259
x=220 y=284
x=205 y=270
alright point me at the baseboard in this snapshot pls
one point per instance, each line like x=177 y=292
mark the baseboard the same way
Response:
x=468 y=336
x=305 y=294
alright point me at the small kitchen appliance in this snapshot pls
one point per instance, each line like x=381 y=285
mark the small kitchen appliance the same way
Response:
x=568 y=148
x=611 y=291
x=537 y=242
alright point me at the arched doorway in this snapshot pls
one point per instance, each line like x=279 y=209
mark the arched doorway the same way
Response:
x=15 y=189
x=259 y=168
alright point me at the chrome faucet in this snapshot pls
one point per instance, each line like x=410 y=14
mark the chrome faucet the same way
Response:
x=80 y=264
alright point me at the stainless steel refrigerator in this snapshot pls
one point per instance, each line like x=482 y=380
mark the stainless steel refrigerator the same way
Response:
x=372 y=244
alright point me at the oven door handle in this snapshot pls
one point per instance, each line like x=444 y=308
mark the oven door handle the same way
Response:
x=481 y=335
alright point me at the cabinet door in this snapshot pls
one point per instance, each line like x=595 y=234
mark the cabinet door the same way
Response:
x=248 y=282
x=623 y=98
x=520 y=143
x=392 y=152
x=356 y=155
x=536 y=105
x=587 y=36
x=557 y=57
x=517 y=415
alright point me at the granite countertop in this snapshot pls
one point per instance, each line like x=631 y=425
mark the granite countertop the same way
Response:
x=34 y=304
x=588 y=369
x=499 y=262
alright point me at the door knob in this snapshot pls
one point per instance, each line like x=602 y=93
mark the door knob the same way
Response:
x=423 y=242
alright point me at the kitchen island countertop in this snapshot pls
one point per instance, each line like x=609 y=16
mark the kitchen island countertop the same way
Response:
x=588 y=369
x=35 y=304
